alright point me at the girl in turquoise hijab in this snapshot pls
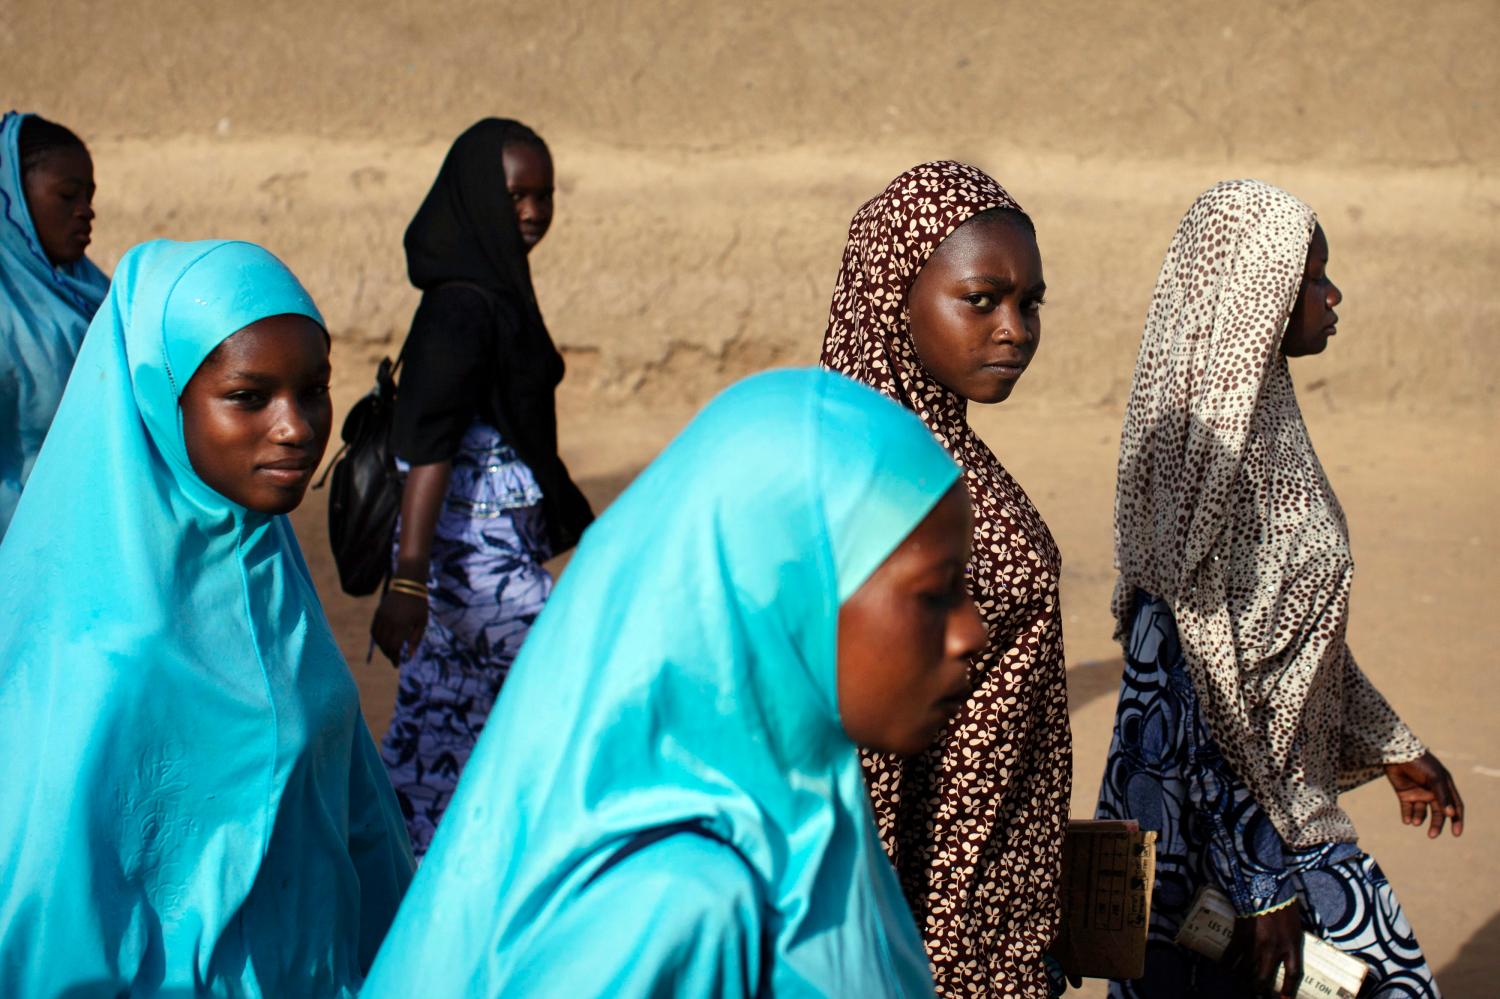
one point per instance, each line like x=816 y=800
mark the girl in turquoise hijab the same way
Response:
x=193 y=804
x=48 y=289
x=668 y=799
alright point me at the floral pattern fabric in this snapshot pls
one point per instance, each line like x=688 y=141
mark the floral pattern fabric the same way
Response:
x=974 y=826
x=486 y=587
x=1166 y=772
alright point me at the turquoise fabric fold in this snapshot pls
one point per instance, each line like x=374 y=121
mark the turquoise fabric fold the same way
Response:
x=44 y=311
x=193 y=805
x=664 y=801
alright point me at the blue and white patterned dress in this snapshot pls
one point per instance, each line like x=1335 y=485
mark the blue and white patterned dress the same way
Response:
x=486 y=587
x=1165 y=771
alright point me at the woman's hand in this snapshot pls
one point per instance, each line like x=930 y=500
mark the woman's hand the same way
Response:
x=1261 y=943
x=399 y=623
x=402 y=617
x=1424 y=784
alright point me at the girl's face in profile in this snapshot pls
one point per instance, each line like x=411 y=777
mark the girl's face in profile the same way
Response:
x=256 y=414
x=528 y=178
x=1313 y=320
x=60 y=198
x=975 y=307
x=906 y=636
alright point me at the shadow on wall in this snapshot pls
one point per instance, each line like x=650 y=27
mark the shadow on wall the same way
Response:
x=1474 y=969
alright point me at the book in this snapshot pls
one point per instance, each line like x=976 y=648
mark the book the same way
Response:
x=1108 y=871
x=1327 y=972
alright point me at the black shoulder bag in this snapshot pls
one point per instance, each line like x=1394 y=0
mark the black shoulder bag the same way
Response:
x=365 y=498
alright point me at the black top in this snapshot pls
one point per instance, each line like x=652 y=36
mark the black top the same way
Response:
x=478 y=348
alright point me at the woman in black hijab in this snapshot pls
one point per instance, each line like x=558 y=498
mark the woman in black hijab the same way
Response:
x=487 y=499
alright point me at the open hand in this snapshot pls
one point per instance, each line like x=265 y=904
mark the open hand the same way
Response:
x=1261 y=943
x=1425 y=784
x=399 y=623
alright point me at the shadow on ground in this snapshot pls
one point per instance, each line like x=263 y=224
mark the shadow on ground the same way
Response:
x=1475 y=969
x=1087 y=682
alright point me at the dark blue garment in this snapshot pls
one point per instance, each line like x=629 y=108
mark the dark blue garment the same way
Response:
x=485 y=588
x=1165 y=771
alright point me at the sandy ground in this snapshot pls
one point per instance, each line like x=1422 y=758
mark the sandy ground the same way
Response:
x=708 y=161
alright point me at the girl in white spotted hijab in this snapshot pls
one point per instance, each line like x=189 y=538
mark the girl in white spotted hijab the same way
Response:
x=1242 y=714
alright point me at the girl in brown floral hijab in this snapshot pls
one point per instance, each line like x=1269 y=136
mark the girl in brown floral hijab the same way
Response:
x=937 y=304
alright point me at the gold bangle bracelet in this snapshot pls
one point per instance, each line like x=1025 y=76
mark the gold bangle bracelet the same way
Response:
x=409 y=587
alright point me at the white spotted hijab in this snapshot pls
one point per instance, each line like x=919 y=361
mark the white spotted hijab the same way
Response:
x=1224 y=511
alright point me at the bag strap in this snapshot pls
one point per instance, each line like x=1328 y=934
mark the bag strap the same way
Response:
x=490 y=299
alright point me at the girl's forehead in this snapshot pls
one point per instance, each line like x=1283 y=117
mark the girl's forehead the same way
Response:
x=64 y=161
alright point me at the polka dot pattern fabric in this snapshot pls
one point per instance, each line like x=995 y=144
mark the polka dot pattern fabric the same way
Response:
x=975 y=825
x=1224 y=511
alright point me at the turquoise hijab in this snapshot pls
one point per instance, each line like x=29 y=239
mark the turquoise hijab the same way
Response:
x=44 y=311
x=664 y=801
x=193 y=804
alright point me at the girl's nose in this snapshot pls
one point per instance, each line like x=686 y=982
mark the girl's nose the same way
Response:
x=292 y=427
x=967 y=633
x=1011 y=327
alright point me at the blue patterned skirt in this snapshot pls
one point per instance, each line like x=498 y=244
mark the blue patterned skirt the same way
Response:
x=1165 y=771
x=486 y=587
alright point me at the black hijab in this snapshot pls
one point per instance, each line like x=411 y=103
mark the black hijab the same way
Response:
x=478 y=346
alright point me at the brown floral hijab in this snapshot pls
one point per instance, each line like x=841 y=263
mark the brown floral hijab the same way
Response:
x=1224 y=511
x=974 y=825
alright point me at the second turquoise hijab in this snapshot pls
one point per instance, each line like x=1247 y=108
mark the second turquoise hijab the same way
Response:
x=683 y=676
x=44 y=311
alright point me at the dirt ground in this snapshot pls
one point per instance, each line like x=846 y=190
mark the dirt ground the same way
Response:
x=708 y=162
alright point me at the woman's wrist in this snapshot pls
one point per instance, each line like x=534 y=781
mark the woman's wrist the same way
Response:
x=414 y=569
x=408 y=587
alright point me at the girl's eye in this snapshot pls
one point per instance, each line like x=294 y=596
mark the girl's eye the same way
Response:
x=1035 y=305
x=244 y=397
x=317 y=392
x=980 y=300
x=948 y=597
x=939 y=599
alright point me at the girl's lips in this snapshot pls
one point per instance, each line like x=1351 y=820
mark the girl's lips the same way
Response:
x=953 y=703
x=286 y=476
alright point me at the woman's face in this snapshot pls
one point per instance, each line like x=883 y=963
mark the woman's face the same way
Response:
x=59 y=192
x=528 y=178
x=1313 y=320
x=975 y=308
x=256 y=414
x=905 y=637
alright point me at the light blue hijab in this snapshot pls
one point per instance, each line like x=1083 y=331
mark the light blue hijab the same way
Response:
x=44 y=311
x=664 y=802
x=192 y=803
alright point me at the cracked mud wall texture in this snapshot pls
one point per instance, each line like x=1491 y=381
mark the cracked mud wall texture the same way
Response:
x=709 y=158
